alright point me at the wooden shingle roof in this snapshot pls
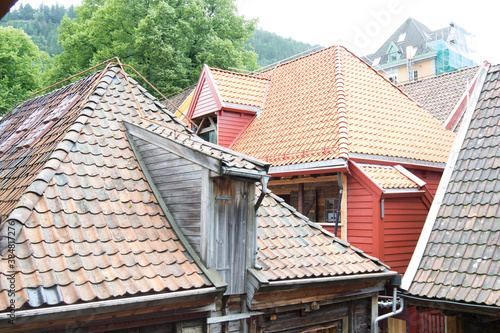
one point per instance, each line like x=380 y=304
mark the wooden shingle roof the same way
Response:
x=458 y=255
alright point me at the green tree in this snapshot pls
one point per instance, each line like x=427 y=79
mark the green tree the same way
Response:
x=21 y=67
x=167 y=41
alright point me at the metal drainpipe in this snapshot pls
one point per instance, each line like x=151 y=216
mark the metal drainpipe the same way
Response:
x=396 y=282
x=264 y=181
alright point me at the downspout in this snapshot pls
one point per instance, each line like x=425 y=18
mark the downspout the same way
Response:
x=338 y=212
x=263 y=181
x=396 y=282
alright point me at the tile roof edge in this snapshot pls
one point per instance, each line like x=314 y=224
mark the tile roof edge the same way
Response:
x=443 y=184
x=323 y=230
x=35 y=190
x=210 y=273
x=256 y=76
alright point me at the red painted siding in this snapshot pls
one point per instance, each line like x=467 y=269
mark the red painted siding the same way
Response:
x=206 y=102
x=432 y=178
x=230 y=126
x=403 y=222
x=359 y=216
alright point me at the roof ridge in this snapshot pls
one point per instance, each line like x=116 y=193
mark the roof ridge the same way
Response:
x=256 y=76
x=35 y=190
x=341 y=104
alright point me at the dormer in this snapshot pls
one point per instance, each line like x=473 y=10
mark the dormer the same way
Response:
x=209 y=193
x=393 y=52
x=225 y=103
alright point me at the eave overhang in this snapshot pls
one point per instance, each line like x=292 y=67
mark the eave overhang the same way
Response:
x=310 y=168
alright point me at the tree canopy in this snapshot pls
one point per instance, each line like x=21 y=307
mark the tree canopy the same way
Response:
x=40 y=24
x=166 y=41
x=21 y=67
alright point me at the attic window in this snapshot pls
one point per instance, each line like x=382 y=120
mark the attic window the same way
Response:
x=402 y=37
x=207 y=129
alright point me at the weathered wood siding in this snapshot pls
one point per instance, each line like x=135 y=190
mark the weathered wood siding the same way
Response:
x=206 y=102
x=230 y=126
x=233 y=223
x=179 y=182
x=404 y=219
x=360 y=215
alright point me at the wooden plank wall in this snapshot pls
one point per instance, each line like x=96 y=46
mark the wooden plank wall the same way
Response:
x=432 y=178
x=403 y=222
x=179 y=182
x=233 y=199
x=230 y=125
x=206 y=102
x=360 y=216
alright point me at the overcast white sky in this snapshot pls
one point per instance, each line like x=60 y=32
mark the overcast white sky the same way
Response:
x=363 y=25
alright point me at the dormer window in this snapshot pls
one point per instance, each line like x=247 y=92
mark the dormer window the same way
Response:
x=393 y=53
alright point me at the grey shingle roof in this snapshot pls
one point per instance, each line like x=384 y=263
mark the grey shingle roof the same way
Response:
x=440 y=94
x=461 y=260
x=417 y=35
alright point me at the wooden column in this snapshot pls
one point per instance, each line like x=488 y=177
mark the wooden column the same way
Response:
x=301 y=198
x=343 y=208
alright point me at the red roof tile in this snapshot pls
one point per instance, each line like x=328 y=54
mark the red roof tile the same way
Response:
x=89 y=225
x=330 y=104
x=292 y=247
x=240 y=88
x=388 y=177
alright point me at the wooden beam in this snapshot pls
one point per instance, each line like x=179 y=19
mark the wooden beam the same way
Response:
x=301 y=198
x=303 y=180
x=343 y=208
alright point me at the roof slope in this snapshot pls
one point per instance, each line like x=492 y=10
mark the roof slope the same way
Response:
x=88 y=226
x=330 y=104
x=440 y=94
x=239 y=88
x=292 y=247
x=461 y=260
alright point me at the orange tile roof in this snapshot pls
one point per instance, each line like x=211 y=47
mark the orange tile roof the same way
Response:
x=388 y=177
x=292 y=247
x=330 y=104
x=240 y=88
x=88 y=224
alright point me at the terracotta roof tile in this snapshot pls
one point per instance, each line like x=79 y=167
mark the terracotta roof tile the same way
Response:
x=466 y=230
x=91 y=227
x=335 y=104
x=240 y=88
x=388 y=177
x=291 y=247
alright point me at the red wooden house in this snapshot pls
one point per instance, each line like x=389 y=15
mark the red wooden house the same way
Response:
x=347 y=148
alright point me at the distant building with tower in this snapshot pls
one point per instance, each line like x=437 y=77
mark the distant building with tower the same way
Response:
x=414 y=51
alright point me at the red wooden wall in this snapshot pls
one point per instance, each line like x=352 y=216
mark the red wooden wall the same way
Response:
x=206 y=102
x=391 y=238
x=360 y=213
x=403 y=221
x=230 y=126
x=432 y=178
